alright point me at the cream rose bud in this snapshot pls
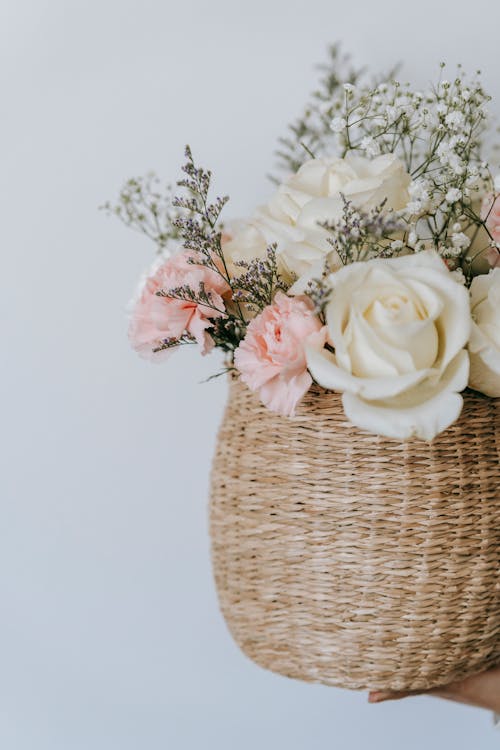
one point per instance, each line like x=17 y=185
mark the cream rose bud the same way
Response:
x=314 y=195
x=398 y=327
x=484 y=344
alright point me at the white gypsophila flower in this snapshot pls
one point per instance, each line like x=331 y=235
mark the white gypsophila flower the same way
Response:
x=449 y=252
x=399 y=327
x=370 y=146
x=460 y=241
x=412 y=238
x=397 y=245
x=419 y=190
x=459 y=276
x=420 y=198
x=314 y=195
x=338 y=124
x=392 y=113
x=453 y=195
x=484 y=344
x=454 y=119
x=457 y=165
x=472 y=180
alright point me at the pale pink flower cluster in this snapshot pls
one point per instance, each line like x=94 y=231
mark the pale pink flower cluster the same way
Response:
x=156 y=319
x=490 y=213
x=271 y=358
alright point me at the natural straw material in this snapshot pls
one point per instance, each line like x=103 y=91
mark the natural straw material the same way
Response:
x=354 y=560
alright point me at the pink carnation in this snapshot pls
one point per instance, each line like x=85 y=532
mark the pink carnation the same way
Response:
x=490 y=213
x=155 y=318
x=271 y=357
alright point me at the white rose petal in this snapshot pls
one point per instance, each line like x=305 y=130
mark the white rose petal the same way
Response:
x=242 y=241
x=314 y=195
x=437 y=410
x=399 y=328
x=484 y=344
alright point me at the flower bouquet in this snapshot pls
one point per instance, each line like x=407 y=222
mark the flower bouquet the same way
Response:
x=355 y=510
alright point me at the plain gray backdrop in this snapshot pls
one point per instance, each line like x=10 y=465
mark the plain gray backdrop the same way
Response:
x=110 y=635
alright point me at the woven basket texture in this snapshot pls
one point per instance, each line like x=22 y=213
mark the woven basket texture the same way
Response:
x=354 y=560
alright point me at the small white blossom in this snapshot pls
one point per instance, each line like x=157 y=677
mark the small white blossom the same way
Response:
x=457 y=165
x=338 y=124
x=459 y=276
x=370 y=146
x=454 y=119
x=472 y=180
x=460 y=241
x=453 y=195
x=414 y=207
x=396 y=244
x=392 y=113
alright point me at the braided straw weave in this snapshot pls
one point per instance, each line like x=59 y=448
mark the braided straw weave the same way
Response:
x=353 y=560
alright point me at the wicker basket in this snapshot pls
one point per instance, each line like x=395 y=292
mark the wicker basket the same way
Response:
x=353 y=560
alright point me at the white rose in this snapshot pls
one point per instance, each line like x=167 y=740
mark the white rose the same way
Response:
x=484 y=344
x=242 y=241
x=399 y=327
x=313 y=195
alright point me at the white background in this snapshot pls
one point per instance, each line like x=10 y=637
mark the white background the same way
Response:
x=110 y=636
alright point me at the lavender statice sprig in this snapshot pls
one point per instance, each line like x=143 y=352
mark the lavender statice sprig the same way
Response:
x=198 y=227
x=259 y=282
x=318 y=289
x=361 y=235
x=186 y=293
x=172 y=343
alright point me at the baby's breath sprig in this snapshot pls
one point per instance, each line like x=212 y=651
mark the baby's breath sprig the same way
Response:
x=438 y=134
x=144 y=206
x=259 y=282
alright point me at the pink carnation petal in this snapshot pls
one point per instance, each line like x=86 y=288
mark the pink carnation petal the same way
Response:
x=282 y=395
x=271 y=358
x=156 y=318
